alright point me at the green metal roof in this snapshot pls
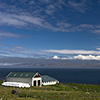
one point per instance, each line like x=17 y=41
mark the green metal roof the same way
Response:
x=46 y=78
x=20 y=75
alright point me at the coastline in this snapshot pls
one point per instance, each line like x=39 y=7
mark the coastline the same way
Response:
x=62 y=91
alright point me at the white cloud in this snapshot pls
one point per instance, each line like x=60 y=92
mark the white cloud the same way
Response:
x=17 y=51
x=32 y=2
x=63 y=24
x=55 y=57
x=54 y=6
x=20 y=20
x=50 y=9
x=18 y=17
x=8 y=64
x=87 y=57
x=81 y=6
x=23 y=20
x=45 y=1
x=9 y=35
x=61 y=58
x=98 y=48
x=67 y=51
x=6 y=55
x=80 y=57
x=97 y=31
x=40 y=15
x=87 y=25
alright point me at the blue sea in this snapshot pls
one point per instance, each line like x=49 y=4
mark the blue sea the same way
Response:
x=64 y=75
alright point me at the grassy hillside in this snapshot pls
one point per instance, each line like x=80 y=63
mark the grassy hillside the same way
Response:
x=56 y=92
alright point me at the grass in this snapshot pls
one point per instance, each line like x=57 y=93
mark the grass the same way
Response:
x=66 y=91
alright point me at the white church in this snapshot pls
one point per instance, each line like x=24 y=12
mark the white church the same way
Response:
x=25 y=79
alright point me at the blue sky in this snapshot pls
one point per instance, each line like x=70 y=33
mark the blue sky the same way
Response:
x=44 y=28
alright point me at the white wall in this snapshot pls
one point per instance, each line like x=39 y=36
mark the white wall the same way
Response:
x=23 y=80
x=36 y=79
x=26 y=80
x=49 y=83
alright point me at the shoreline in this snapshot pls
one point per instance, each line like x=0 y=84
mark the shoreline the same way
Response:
x=62 y=91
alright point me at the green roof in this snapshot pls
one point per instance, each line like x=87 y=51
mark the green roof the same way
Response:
x=20 y=75
x=46 y=78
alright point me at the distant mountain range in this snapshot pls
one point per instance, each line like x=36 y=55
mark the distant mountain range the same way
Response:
x=48 y=63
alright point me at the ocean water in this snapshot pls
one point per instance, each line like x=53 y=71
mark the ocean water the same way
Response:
x=64 y=75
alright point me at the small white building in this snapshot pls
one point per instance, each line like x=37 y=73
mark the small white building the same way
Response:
x=47 y=80
x=32 y=79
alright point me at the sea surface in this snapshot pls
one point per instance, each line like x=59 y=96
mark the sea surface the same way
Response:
x=64 y=75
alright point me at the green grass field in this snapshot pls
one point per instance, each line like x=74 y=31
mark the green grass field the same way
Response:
x=56 y=92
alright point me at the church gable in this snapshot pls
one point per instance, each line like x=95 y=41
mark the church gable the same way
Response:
x=37 y=75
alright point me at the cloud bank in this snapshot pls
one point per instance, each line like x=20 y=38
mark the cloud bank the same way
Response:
x=79 y=57
x=87 y=57
x=67 y=51
x=77 y=54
